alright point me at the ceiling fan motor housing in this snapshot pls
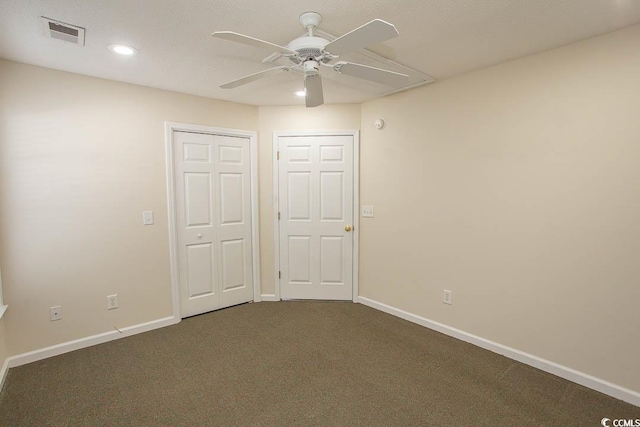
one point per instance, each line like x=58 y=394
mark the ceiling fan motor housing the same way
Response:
x=309 y=47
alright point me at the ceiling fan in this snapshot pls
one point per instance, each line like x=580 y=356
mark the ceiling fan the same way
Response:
x=309 y=52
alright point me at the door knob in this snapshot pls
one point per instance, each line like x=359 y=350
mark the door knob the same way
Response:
x=347 y=228
x=199 y=236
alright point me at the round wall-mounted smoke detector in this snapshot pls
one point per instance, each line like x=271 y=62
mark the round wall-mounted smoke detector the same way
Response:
x=379 y=124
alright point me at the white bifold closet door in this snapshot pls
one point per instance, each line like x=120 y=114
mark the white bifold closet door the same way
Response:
x=213 y=210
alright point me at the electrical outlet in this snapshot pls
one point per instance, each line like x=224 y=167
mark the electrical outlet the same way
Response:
x=55 y=313
x=112 y=301
x=447 y=297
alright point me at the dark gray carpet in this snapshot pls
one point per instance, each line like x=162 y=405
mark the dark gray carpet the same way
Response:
x=295 y=363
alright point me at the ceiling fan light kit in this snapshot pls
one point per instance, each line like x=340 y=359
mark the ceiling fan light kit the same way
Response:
x=309 y=53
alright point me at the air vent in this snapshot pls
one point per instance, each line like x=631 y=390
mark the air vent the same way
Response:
x=61 y=31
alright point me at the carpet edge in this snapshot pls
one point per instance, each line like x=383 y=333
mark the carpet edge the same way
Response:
x=66 y=347
x=570 y=374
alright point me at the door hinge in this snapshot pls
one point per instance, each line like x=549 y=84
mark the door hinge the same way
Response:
x=277 y=155
x=279 y=274
x=278 y=216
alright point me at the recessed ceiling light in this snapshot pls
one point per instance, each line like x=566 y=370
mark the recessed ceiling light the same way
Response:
x=300 y=93
x=122 y=49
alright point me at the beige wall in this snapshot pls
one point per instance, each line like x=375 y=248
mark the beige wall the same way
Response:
x=274 y=119
x=516 y=187
x=80 y=159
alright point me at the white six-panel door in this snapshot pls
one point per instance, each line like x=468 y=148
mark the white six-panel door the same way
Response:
x=316 y=216
x=213 y=213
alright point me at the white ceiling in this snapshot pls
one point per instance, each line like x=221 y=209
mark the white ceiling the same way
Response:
x=438 y=38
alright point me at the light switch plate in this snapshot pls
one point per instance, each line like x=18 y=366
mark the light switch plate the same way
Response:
x=367 y=211
x=147 y=217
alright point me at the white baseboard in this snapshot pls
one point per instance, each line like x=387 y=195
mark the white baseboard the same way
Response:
x=55 y=350
x=567 y=373
x=269 y=297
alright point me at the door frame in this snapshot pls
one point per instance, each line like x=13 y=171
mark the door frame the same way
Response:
x=356 y=200
x=170 y=128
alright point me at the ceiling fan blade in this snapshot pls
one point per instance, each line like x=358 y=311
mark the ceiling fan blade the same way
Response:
x=369 y=34
x=255 y=76
x=251 y=41
x=272 y=58
x=379 y=75
x=313 y=87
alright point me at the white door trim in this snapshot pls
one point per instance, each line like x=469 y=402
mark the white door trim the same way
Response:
x=356 y=199
x=170 y=128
